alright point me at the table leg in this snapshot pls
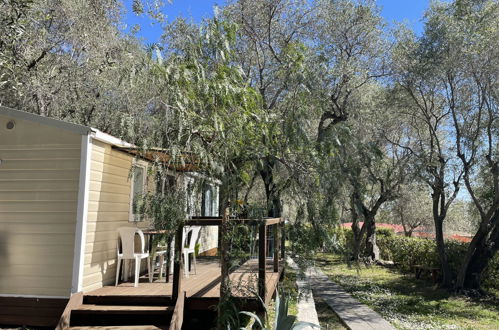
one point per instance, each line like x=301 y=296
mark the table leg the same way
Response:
x=151 y=259
x=168 y=260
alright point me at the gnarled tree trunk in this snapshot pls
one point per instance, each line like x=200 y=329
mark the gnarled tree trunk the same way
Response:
x=438 y=218
x=372 y=250
x=482 y=248
x=272 y=194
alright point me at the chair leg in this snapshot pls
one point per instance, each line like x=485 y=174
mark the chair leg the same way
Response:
x=186 y=264
x=195 y=265
x=161 y=262
x=126 y=269
x=149 y=273
x=118 y=266
x=137 y=271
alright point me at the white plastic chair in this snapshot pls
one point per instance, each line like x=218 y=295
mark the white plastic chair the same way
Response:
x=189 y=247
x=127 y=238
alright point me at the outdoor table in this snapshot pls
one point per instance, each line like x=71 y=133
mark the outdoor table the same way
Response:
x=150 y=233
x=419 y=269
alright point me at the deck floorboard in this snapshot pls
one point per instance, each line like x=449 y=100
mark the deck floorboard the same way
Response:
x=205 y=284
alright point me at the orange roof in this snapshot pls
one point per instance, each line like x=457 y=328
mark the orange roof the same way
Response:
x=187 y=163
x=422 y=234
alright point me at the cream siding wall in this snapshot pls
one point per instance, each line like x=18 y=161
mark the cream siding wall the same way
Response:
x=39 y=174
x=208 y=238
x=108 y=209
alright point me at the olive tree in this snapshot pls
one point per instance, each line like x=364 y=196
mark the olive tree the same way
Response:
x=468 y=66
x=70 y=60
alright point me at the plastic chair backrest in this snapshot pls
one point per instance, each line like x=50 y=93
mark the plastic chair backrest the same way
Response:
x=194 y=231
x=127 y=237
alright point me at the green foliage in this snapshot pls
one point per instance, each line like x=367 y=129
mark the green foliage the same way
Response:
x=490 y=277
x=282 y=320
x=409 y=303
x=406 y=252
x=196 y=249
x=385 y=232
x=165 y=211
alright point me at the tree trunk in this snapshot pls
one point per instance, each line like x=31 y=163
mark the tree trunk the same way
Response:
x=358 y=242
x=442 y=255
x=355 y=220
x=271 y=191
x=372 y=250
x=407 y=232
x=275 y=209
x=224 y=261
x=439 y=212
x=482 y=248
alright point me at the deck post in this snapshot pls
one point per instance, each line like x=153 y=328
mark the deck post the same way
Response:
x=177 y=266
x=283 y=239
x=276 y=247
x=262 y=259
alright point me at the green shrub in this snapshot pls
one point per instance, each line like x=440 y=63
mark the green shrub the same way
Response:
x=491 y=274
x=406 y=252
x=341 y=241
x=385 y=232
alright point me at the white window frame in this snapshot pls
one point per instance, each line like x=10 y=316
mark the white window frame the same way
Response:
x=190 y=206
x=213 y=207
x=143 y=165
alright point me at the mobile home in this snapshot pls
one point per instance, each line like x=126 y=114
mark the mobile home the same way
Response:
x=64 y=191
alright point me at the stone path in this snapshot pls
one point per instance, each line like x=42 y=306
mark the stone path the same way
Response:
x=355 y=315
x=306 y=304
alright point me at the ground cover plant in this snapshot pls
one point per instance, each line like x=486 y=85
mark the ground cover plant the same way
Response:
x=408 y=303
x=290 y=290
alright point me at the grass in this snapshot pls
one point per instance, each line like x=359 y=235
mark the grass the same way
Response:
x=408 y=303
x=328 y=319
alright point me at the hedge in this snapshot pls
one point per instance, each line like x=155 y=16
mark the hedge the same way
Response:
x=406 y=252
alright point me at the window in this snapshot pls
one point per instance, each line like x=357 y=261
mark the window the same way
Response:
x=210 y=201
x=191 y=199
x=138 y=184
x=164 y=183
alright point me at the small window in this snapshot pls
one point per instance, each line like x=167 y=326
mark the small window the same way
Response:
x=207 y=201
x=210 y=201
x=138 y=185
x=164 y=183
x=190 y=196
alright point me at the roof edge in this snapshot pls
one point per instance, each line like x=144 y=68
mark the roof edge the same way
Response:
x=110 y=139
x=23 y=115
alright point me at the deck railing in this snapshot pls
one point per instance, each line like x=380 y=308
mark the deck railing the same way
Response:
x=277 y=225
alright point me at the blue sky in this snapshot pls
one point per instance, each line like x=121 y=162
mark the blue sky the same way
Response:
x=410 y=11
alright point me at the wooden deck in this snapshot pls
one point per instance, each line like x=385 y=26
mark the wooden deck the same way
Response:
x=202 y=289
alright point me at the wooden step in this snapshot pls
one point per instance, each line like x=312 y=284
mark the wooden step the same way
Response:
x=121 y=309
x=120 y=315
x=135 y=300
x=120 y=327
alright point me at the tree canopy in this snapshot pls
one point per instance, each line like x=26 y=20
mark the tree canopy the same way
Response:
x=317 y=110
